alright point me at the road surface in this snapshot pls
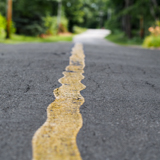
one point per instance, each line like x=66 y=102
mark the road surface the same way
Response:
x=94 y=37
x=121 y=112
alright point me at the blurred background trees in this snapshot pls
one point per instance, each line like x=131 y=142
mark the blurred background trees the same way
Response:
x=131 y=18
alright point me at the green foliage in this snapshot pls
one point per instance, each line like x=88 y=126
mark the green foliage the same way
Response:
x=120 y=38
x=13 y=29
x=2 y=24
x=32 y=26
x=50 y=23
x=113 y=24
x=95 y=13
x=152 y=41
x=129 y=15
x=73 y=12
x=28 y=15
x=78 y=30
x=157 y=23
x=33 y=29
x=64 y=22
x=113 y=14
x=3 y=7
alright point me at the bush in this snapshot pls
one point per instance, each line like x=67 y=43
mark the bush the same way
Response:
x=13 y=29
x=50 y=24
x=152 y=41
x=30 y=26
x=113 y=24
x=2 y=25
x=64 y=23
x=33 y=29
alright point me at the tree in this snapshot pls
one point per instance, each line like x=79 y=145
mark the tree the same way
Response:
x=133 y=16
x=73 y=11
x=9 y=19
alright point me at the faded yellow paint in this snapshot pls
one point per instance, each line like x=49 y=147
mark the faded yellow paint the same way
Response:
x=56 y=139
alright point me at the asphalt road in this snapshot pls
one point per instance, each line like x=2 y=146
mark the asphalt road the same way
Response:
x=94 y=37
x=121 y=113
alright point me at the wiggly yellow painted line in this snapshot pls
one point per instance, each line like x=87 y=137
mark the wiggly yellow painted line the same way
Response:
x=56 y=139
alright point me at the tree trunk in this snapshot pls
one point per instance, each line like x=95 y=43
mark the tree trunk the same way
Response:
x=142 y=27
x=9 y=19
x=155 y=10
x=70 y=26
x=128 y=20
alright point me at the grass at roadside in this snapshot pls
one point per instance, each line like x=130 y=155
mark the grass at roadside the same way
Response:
x=79 y=30
x=26 y=39
x=120 y=39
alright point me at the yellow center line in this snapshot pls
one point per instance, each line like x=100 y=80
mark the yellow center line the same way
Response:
x=56 y=139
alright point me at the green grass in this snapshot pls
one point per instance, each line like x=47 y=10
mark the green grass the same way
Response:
x=78 y=30
x=120 y=39
x=27 y=39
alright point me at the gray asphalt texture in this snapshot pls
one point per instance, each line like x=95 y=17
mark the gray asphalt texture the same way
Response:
x=28 y=75
x=121 y=113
